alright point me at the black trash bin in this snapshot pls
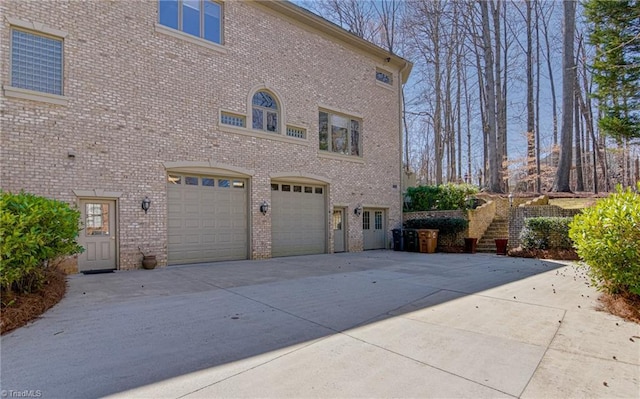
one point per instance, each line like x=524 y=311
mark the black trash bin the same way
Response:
x=398 y=241
x=411 y=243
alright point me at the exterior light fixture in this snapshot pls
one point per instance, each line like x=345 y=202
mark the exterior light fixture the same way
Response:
x=510 y=200
x=264 y=207
x=146 y=204
x=358 y=210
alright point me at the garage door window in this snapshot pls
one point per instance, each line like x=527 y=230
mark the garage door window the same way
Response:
x=205 y=181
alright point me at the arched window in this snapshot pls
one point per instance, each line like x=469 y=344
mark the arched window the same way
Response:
x=265 y=112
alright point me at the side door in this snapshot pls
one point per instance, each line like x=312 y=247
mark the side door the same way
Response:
x=98 y=235
x=373 y=229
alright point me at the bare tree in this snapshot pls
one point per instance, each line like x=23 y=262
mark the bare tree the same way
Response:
x=563 y=172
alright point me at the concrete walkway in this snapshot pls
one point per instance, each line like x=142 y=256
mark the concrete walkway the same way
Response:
x=376 y=324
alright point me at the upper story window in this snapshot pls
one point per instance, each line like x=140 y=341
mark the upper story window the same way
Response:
x=264 y=112
x=201 y=18
x=384 y=76
x=36 y=62
x=339 y=134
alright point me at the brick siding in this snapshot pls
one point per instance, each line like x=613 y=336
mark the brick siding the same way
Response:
x=139 y=98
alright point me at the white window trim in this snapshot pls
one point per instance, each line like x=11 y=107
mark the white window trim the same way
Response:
x=245 y=131
x=25 y=94
x=165 y=30
x=36 y=27
x=350 y=116
x=340 y=157
x=385 y=85
x=282 y=114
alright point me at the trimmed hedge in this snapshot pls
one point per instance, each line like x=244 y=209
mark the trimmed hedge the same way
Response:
x=33 y=231
x=445 y=197
x=607 y=238
x=546 y=233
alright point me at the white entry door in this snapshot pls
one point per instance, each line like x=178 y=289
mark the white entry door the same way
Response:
x=98 y=236
x=373 y=228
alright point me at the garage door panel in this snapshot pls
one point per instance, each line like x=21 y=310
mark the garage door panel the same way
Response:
x=298 y=222
x=206 y=223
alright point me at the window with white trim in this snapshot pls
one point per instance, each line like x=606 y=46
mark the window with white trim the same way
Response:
x=339 y=133
x=384 y=76
x=264 y=112
x=36 y=61
x=200 y=18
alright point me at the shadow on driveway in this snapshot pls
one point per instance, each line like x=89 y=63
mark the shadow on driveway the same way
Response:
x=116 y=332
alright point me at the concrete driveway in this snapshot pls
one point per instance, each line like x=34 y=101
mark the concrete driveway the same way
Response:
x=374 y=324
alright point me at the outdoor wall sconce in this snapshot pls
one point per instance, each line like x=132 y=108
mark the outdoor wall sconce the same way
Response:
x=510 y=200
x=358 y=210
x=264 y=207
x=146 y=204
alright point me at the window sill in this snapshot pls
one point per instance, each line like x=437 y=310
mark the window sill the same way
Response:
x=190 y=38
x=24 y=94
x=385 y=85
x=258 y=134
x=339 y=157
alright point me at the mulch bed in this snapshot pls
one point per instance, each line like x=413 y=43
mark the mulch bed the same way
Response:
x=23 y=308
x=626 y=306
x=556 y=254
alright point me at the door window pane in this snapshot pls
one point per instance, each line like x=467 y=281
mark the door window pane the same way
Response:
x=378 y=220
x=96 y=222
x=337 y=220
x=366 y=222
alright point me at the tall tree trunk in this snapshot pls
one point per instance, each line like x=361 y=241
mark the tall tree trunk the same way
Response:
x=554 y=108
x=501 y=109
x=563 y=171
x=537 y=110
x=531 y=146
x=494 y=184
x=578 y=144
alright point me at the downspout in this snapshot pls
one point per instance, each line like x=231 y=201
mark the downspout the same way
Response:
x=400 y=138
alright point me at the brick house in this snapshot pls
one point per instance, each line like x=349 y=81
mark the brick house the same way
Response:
x=251 y=129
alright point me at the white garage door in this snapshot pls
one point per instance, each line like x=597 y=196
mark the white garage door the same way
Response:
x=298 y=219
x=207 y=218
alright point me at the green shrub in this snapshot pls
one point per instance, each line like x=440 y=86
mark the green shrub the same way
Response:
x=607 y=239
x=33 y=230
x=444 y=197
x=546 y=233
x=444 y=225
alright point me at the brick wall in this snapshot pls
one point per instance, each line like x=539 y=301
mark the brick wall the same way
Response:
x=480 y=219
x=139 y=98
